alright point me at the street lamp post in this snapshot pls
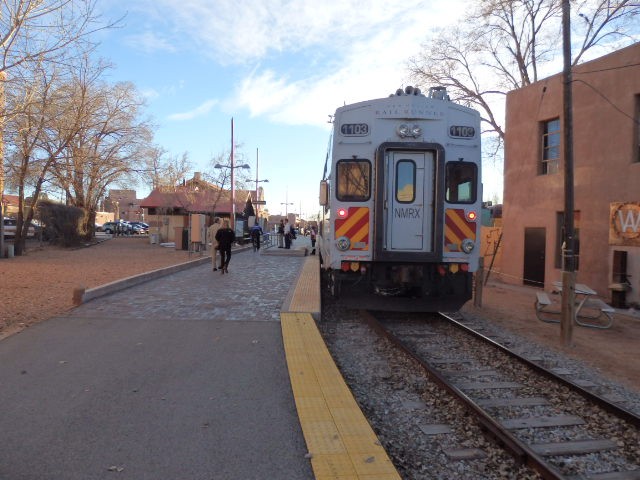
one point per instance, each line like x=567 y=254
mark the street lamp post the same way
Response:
x=257 y=182
x=232 y=167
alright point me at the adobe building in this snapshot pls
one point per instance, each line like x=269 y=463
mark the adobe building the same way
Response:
x=170 y=211
x=606 y=113
x=124 y=205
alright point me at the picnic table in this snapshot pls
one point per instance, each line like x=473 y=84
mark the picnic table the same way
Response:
x=597 y=314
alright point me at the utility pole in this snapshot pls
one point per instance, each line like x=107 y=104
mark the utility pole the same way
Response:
x=568 y=274
x=233 y=186
x=2 y=105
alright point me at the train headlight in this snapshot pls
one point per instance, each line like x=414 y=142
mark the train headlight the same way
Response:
x=467 y=245
x=403 y=130
x=343 y=244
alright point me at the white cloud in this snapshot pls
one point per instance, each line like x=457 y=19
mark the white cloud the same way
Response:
x=149 y=42
x=237 y=31
x=370 y=65
x=312 y=56
x=199 y=111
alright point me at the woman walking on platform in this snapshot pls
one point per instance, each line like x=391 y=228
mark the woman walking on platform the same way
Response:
x=225 y=237
x=211 y=231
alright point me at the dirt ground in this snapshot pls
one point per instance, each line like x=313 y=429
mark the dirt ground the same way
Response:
x=40 y=284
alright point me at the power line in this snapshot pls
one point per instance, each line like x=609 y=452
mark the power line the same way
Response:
x=634 y=120
x=620 y=67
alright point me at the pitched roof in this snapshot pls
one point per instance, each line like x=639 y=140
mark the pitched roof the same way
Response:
x=196 y=201
x=10 y=199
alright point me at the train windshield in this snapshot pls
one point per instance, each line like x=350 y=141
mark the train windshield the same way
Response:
x=353 y=180
x=461 y=182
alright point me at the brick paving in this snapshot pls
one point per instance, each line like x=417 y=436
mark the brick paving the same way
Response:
x=253 y=290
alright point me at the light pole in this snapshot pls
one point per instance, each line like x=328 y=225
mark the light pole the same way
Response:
x=286 y=207
x=232 y=167
x=257 y=194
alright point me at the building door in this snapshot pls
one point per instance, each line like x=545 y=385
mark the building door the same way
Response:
x=534 y=256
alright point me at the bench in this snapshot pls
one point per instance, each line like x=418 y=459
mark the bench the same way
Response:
x=543 y=302
x=602 y=308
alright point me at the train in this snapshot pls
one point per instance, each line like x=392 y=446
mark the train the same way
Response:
x=401 y=198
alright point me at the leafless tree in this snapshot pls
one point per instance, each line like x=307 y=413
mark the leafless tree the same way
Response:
x=506 y=44
x=40 y=31
x=110 y=143
x=32 y=150
x=164 y=171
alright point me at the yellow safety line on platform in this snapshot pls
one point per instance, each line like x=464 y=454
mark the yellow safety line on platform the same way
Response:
x=306 y=296
x=339 y=438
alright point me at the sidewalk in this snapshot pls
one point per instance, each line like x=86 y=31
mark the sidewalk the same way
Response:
x=180 y=377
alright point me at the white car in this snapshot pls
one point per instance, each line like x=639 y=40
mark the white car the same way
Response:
x=10 y=228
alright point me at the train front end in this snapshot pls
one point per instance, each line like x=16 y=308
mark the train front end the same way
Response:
x=402 y=203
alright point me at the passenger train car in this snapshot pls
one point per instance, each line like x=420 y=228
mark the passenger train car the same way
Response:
x=402 y=199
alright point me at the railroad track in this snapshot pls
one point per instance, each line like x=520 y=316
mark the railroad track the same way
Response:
x=553 y=425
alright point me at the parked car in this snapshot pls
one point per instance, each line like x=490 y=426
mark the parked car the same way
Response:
x=120 y=226
x=144 y=227
x=10 y=225
x=137 y=229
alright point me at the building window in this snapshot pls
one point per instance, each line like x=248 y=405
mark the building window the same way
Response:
x=550 y=147
x=461 y=182
x=560 y=239
x=354 y=180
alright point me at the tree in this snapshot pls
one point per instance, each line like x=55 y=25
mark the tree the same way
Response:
x=506 y=44
x=32 y=150
x=40 y=31
x=110 y=142
x=163 y=171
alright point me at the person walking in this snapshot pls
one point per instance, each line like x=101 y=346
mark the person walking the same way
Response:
x=256 y=235
x=225 y=237
x=211 y=233
x=312 y=234
x=281 y=234
x=287 y=234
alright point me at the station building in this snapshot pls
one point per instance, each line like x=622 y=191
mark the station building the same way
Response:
x=606 y=115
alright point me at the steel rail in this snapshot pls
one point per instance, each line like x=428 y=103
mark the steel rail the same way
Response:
x=620 y=412
x=518 y=449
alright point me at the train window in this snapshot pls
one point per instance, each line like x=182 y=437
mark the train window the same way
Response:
x=353 y=180
x=405 y=181
x=461 y=182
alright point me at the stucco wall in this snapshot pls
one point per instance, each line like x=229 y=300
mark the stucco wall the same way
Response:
x=605 y=169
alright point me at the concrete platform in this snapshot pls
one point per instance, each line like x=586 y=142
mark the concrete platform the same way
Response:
x=186 y=373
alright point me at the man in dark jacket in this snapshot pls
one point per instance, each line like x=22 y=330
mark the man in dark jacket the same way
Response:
x=256 y=235
x=225 y=237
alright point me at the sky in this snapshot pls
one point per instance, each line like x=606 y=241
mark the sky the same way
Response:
x=279 y=68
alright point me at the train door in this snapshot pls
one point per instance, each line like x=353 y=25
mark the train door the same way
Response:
x=408 y=220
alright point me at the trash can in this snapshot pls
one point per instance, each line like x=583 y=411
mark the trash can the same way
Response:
x=10 y=250
x=154 y=238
